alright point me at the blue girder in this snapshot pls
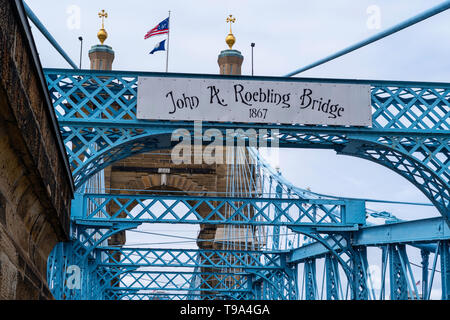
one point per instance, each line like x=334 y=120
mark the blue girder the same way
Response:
x=96 y=111
x=228 y=259
x=416 y=232
x=409 y=133
x=141 y=208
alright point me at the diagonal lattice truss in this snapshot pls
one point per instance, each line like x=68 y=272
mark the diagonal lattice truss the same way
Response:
x=156 y=272
x=125 y=295
x=347 y=252
x=180 y=281
x=409 y=134
x=102 y=95
x=115 y=272
x=187 y=209
x=97 y=117
x=220 y=259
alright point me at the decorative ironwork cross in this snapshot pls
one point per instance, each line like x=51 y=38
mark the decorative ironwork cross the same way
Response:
x=231 y=20
x=102 y=15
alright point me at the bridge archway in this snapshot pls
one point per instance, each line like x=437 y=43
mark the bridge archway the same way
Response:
x=432 y=183
x=97 y=114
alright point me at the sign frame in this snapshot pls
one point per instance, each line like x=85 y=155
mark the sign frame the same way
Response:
x=254 y=101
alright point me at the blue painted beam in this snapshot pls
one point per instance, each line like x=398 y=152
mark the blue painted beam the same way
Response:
x=173 y=258
x=136 y=73
x=415 y=233
x=184 y=209
x=405 y=24
x=312 y=250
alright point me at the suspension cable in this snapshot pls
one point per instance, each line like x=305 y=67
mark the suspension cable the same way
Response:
x=405 y=24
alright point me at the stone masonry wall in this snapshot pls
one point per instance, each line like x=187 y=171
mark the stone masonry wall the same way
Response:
x=35 y=183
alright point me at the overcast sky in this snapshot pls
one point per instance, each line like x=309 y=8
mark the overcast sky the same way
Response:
x=288 y=35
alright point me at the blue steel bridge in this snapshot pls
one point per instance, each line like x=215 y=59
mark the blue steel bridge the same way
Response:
x=289 y=229
x=297 y=244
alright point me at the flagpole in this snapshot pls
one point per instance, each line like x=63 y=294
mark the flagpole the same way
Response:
x=167 y=53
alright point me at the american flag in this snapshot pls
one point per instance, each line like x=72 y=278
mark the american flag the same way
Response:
x=161 y=28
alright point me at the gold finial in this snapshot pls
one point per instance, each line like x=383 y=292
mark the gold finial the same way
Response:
x=230 y=39
x=102 y=34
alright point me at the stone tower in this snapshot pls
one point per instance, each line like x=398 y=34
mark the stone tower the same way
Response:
x=101 y=55
x=229 y=60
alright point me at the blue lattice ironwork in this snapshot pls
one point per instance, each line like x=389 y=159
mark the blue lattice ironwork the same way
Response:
x=219 y=259
x=141 y=208
x=409 y=134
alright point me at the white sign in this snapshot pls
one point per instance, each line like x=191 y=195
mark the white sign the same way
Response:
x=188 y=99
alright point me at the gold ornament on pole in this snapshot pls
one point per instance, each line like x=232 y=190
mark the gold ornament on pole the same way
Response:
x=102 y=34
x=230 y=39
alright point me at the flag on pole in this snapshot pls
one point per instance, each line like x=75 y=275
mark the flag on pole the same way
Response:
x=159 y=46
x=161 y=28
